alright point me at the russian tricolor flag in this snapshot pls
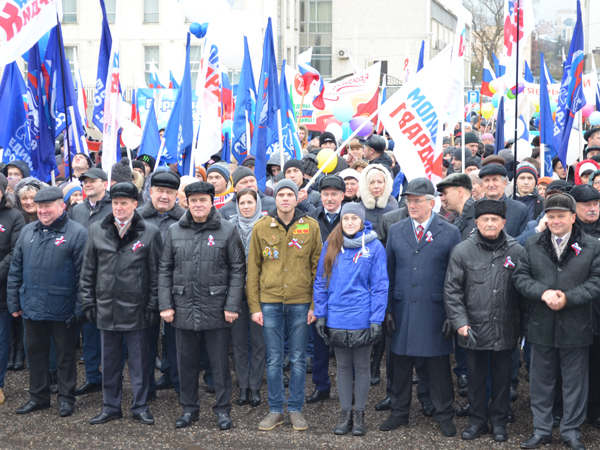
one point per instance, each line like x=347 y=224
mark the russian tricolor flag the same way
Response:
x=310 y=74
x=488 y=77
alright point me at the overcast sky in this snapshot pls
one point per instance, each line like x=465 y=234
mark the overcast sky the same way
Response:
x=546 y=9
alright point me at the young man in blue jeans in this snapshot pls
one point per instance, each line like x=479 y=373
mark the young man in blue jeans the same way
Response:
x=282 y=263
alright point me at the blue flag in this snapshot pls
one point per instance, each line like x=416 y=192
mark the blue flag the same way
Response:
x=102 y=73
x=421 y=56
x=546 y=123
x=570 y=97
x=528 y=75
x=498 y=69
x=267 y=104
x=289 y=133
x=244 y=109
x=174 y=83
x=179 y=132
x=150 y=136
x=14 y=132
x=499 y=144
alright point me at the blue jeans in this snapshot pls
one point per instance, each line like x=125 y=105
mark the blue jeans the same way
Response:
x=5 y=321
x=92 y=353
x=275 y=316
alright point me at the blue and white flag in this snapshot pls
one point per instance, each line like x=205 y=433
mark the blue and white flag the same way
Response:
x=150 y=136
x=289 y=133
x=103 y=61
x=546 y=123
x=243 y=120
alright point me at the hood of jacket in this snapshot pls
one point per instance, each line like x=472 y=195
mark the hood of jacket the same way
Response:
x=29 y=181
x=21 y=165
x=581 y=163
x=367 y=198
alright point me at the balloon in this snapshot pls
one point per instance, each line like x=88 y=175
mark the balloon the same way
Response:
x=523 y=149
x=487 y=110
x=587 y=110
x=202 y=11
x=553 y=106
x=467 y=106
x=495 y=86
x=322 y=158
x=131 y=135
x=520 y=87
x=496 y=100
x=358 y=121
x=227 y=32
x=347 y=131
x=536 y=122
x=199 y=30
x=331 y=120
x=536 y=103
x=595 y=118
x=336 y=130
x=509 y=129
x=343 y=111
x=476 y=107
x=510 y=94
x=226 y=129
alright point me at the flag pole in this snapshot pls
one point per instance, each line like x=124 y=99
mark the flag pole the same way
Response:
x=518 y=29
x=62 y=72
x=543 y=164
x=301 y=106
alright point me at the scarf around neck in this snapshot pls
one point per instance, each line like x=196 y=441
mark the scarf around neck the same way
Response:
x=245 y=224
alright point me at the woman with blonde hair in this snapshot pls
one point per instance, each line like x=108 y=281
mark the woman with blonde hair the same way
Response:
x=375 y=187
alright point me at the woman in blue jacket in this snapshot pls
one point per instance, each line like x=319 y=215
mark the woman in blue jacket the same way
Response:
x=350 y=295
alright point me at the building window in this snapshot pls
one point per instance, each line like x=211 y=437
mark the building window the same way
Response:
x=70 y=52
x=289 y=56
x=315 y=32
x=111 y=10
x=69 y=11
x=150 y=11
x=151 y=56
x=296 y=14
x=288 y=13
x=195 y=58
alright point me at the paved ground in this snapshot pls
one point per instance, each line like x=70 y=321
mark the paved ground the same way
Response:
x=45 y=430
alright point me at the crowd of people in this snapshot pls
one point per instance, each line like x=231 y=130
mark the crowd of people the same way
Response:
x=357 y=264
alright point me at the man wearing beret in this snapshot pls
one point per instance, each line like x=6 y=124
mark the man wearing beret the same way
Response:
x=119 y=293
x=201 y=281
x=559 y=275
x=483 y=307
x=244 y=178
x=162 y=211
x=375 y=152
x=42 y=287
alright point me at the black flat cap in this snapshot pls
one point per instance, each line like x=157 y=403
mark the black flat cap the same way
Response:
x=420 y=186
x=492 y=169
x=561 y=185
x=94 y=173
x=584 y=193
x=489 y=206
x=124 y=190
x=588 y=133
x=377 y=143
x=200 y=187
x=563 y=202
x=165 y=179
x=455 y=180
x=48 y=194
x=332 y=181
x=592 y=149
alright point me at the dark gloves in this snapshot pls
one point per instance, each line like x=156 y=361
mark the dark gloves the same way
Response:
x=90 y=314
x=389 y=325
x=152 y=317
x=376 y=332
x=320 y=328
x=447 y=330
x=472 y=339
x=73 y=320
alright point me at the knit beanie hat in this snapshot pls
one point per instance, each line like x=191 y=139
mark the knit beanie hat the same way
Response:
x=526 y=167
x=353 y=208
x=241 y=172
x=222 y=168
x=293 y=163
x=69 y=189
x=285 y=184
x=121 y=172
x=310 y=164
x=489 y=206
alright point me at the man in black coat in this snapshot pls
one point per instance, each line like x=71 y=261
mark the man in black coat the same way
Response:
x=481 y=301
x=119 y=293
x=559 y=275
x=96 y=206
x=375 y=148
x=202 y=275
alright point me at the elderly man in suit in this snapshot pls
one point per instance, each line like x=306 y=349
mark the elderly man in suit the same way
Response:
x=418 y=251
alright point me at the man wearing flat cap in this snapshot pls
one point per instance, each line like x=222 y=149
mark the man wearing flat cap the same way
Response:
x=559 y=276
x=483 y=307
x=119 y=293
x=592 y=137
x=43 y=282
x=375 y=148
x=456 y=197
x=201 y=279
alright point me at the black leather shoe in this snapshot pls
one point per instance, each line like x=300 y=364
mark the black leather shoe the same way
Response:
x=30 y=407
x=163 y=383
x=255 y=399
x=186 y=420
x=309 y=364
x=427 y=409
x=358 y=428
x=105 y=417
x=392 y=422
x=463 y=411
x=596 y=422
x=317 y=396
x=447 y=428
x=345 y=424
x=144 y=417
x=243 y=397
x=65 y=409
x=462 y=381
x=87 y=388
x=473 y=432
x=224 y=421
x=286 y=381
x=499 y=434
x=536 y=441
x=209 y=389
x=511 y=415
x=514 y=395
x=286 y=364
x=384 y=405
x=575 y=444
x=416 y=380
x=556 y=421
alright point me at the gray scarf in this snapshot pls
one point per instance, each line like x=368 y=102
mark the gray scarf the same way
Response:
x=245 y=224
x=359 y=241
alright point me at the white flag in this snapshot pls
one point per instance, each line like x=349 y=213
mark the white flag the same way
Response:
x=112 y=111
x=455 y=104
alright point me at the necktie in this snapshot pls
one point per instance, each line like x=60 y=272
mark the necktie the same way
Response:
x=419 y=232
x=331 y=217
x=558 y=241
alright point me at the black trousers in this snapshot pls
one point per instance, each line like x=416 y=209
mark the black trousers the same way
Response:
x=441 y=389
x=188 y=362
x=39 y=333
x=250 y=371
x=477 y=369
x=593 y=411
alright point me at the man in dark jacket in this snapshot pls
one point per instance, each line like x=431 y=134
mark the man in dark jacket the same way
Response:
x=162 y=211
x=42 y=287
x=11 y=223
x=119 y=293
x=456 y=198
x=375 y=152
x=244 y=178
x=482 y=303
x=418 y=250
x=201 y=281
x=559 y=275
x=94 y=208
x=527 y=179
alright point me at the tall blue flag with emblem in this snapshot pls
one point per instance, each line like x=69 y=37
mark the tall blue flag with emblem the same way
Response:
x=179 y=132
x=546 y=123
x=243 y=119
x=150 y=136
x=289 y=133
x=570 y=98
x=102 y=73
x=267 y=104
x=14 y=132
x=499 y=144
x=421 y=62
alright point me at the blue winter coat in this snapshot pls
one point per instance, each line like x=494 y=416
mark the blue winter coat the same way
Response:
x=357 y=292
x=417 y=271
x=43 y=280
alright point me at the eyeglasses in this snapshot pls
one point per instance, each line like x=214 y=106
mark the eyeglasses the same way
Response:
x=596 y=184
x=416 y=202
